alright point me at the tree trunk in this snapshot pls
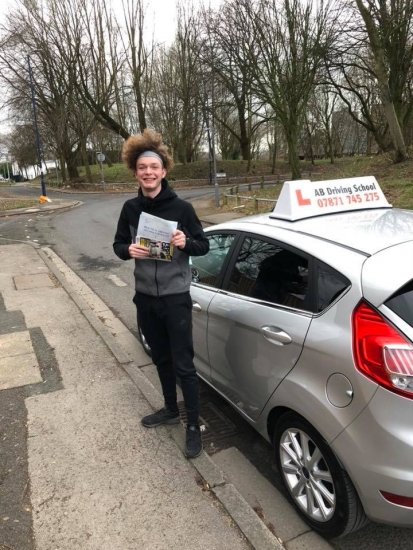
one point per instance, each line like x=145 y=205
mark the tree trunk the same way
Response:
x=244 y=141
x=71 y=162
x=383 y=82
x=189 y=153
x=274 y=158
x=369 y=139
x=63 y=172
x=72 y=170
x=141 y=110
x=310 y=141
x=245 y=150
x=395 y=131
x=294 y=161
x=181 y=151
x=330 y=146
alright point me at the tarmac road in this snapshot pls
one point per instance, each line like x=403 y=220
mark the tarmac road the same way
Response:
x=83 y=239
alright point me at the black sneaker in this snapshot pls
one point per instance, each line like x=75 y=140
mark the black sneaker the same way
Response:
x=193 y=447
x=163 y=416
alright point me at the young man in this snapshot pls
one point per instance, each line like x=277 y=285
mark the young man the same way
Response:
x=162 y=296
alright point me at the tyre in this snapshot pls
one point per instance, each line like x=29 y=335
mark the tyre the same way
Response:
x=317 y=485
x=143 y=341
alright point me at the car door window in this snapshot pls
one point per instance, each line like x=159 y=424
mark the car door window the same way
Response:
x=269 y=272
x=330 y=285
x=206 y=269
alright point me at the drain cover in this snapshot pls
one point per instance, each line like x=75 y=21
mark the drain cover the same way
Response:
x=217 y=425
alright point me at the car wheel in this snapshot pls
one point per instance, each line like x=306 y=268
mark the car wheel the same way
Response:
x=143 y=341
x=317 y=485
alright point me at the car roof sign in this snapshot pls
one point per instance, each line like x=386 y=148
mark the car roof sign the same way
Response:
x=305 y=199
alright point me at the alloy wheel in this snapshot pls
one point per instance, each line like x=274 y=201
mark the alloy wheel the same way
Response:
x=307 y=475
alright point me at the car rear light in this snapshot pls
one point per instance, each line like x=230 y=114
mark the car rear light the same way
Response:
x=397 y=499
x=381 y=352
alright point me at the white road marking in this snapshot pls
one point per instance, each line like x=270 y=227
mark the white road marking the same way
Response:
x=115 y=279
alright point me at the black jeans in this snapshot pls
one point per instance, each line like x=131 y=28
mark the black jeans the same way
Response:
x=166 y=322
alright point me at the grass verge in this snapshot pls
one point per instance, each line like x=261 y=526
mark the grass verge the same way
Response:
x=14 y=204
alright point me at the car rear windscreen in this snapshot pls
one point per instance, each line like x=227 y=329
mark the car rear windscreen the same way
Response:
x=402 y=303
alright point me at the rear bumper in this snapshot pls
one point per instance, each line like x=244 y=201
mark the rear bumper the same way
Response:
x=377 y=452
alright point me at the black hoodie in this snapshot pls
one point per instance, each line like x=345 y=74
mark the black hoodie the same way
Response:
x=154 y=277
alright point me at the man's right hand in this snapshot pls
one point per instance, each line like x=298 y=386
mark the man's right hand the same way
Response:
x=138 y=251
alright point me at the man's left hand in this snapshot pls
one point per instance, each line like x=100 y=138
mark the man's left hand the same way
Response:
x=178 y=238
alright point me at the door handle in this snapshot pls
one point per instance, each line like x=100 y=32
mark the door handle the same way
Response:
x=277 y=335
x=196 y=307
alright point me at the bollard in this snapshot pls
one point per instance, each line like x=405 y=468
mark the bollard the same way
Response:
x=255 y=205
x=224 y=199
x=236 y=199
x=236 y=189
x=262 y=182
x=249 y=186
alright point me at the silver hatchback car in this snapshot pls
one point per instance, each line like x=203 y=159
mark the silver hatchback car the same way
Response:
x=303 y=321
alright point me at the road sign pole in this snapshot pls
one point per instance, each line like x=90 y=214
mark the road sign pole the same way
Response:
x=101 y=157
x=103 y=177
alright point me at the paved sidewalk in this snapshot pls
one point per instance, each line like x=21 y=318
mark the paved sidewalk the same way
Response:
x=96 y=478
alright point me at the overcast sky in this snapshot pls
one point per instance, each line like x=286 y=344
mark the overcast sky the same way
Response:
x=161 y=15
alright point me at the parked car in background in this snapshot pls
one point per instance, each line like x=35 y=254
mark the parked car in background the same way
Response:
x=303 y=321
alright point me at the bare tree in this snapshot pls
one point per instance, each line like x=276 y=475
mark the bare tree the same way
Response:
x=30 y=31
x=186 y=54
x=226 y=51
x=370 y=67
x=226 y=127
x=323 y=105
x=138 y=56
x=358 y=91
x=92 y=36
x=22 y=147
x=289 y=38
x=386 y=21
x=164 y=105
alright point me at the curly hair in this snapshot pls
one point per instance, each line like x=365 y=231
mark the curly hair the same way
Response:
x=137 y=144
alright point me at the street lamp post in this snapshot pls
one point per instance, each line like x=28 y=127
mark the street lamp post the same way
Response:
x=216 y=187
x=211 y=147
x=209 y=138
x=36 y=129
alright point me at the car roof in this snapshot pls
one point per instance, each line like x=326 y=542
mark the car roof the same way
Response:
x=365 y=231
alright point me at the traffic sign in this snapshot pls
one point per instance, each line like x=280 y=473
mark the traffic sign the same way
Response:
x=100 y=157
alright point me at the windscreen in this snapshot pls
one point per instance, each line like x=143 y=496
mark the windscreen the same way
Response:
x=402 y=303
